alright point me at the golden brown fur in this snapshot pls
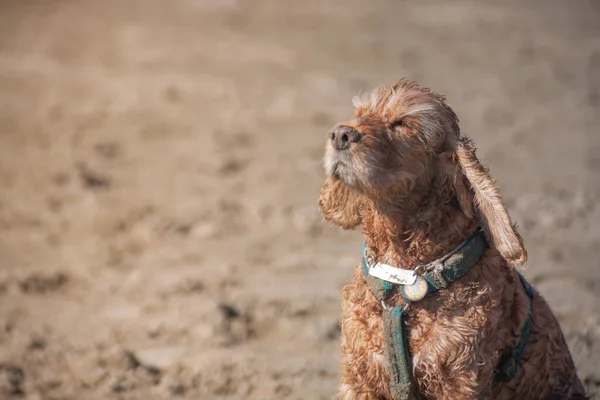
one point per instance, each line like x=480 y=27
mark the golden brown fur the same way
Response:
x=418 y=190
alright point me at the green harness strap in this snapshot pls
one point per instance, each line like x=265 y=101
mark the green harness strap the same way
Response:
x=398 y=354
x=511 y=362
x=437 y=275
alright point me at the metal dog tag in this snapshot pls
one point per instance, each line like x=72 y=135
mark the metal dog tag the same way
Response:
x=391 y=274
x=416 y=291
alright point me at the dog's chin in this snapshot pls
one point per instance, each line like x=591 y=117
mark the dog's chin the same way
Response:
x=344 y=173
x=339 y=167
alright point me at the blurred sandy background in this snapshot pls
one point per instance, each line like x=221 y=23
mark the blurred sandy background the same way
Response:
x=160 y=163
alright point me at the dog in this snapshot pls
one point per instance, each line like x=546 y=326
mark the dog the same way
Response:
x=401 y=169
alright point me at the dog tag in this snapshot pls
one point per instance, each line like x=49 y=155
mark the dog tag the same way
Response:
x=416 y=291
x=391 y=274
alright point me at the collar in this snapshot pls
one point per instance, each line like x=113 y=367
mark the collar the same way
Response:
x=424 y=279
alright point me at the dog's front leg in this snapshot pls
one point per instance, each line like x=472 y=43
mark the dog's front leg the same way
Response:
x=360 y=378
x=363 y=373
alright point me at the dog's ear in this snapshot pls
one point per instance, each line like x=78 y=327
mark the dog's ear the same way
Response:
x=456 y=179
x=495 y=219
x=339 y=204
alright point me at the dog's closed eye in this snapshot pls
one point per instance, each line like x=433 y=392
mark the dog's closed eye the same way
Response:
x=397 y=124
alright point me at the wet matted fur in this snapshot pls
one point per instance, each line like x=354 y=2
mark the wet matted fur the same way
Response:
x=418 y=190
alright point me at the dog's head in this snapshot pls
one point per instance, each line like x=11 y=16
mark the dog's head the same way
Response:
x=399 y=136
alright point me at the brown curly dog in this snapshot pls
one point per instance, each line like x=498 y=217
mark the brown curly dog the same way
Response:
x=401 y=170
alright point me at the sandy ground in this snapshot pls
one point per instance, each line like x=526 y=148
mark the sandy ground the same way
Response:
x=160 y=163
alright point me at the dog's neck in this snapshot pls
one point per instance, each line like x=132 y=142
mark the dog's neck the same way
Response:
x=415 y=229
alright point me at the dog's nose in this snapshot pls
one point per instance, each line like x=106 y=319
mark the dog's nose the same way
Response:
x=341 y=136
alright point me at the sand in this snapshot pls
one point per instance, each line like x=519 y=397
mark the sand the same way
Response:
x=160 y=163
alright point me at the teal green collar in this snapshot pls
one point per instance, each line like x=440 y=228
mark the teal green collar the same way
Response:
x=425 y=279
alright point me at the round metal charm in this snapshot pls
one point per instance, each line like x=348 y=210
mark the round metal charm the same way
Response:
x=416 y=291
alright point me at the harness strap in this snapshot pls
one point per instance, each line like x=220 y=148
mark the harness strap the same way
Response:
x=398 y=354
x=509 y=367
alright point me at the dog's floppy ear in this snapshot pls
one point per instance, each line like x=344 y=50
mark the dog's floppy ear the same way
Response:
x=495 y=219
x=339 y=205
x=456 y=179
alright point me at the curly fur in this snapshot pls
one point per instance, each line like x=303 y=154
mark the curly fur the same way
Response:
x=418 y=190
